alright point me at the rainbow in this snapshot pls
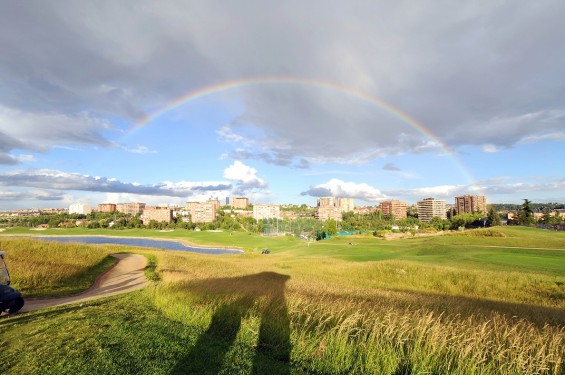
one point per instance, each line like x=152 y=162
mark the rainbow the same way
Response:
x=307 y=82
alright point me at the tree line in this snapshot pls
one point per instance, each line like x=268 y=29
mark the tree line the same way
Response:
x=351 y=222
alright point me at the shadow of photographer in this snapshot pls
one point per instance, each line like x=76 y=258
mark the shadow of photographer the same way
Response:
x=272 y=355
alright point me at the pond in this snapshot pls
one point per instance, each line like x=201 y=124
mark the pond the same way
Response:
x=140 y=242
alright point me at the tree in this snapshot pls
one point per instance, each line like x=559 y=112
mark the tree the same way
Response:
x=525 y=215
x=330 y=227
x=466 y=220
x=493 y=219
x=439 y=224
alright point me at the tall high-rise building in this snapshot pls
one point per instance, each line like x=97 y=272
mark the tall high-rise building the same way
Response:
x=395 y=208
x=470 y=204
x=429 y=208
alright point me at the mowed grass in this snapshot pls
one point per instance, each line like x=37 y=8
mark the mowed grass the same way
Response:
x=349 y=305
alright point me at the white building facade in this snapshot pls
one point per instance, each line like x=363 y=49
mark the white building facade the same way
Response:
x=429 y=208
x=80 y=208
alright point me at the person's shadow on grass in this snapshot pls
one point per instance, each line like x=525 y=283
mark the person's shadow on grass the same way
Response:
x=272 y=356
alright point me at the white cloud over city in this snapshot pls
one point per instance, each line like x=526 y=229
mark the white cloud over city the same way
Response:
x=245 y=177
x=343 y=189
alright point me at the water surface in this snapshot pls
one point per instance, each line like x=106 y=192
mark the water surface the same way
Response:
x=140 y=242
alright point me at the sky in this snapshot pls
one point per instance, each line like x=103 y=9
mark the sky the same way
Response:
x=282 y=102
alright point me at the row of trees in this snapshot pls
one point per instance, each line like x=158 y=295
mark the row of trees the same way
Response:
x=525 y=216
x=376 y=221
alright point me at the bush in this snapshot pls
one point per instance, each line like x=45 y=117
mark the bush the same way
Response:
x=381 y=232
x=482 y=233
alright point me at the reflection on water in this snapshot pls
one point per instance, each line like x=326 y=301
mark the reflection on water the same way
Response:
x=140 y=242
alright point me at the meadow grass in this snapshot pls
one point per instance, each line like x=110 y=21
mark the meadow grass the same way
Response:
x=43 y=269
x=357 y=305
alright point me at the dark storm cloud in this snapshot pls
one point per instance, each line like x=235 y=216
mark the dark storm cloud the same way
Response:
x=472 y=72
x=58 y=180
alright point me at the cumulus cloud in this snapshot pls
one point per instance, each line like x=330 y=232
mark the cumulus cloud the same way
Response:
x=245 y=177
x=61 y=181
x=339 y=188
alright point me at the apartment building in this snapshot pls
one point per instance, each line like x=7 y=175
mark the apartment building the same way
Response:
x=429 y=208
x=471 y=204
x=329 y=212
x=158 y=214
x=239 y=202
x=328 y=208
x=394 y=207
x=216 y=203
x=80 y=208
x=266 y=211
x=106 y=207
x=345 y=204
x=327 y=201
x=131 y=208
x=203 y=212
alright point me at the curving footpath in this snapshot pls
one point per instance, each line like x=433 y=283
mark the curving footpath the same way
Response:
x=125 y=276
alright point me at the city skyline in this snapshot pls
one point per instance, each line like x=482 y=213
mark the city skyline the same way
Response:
x=186 y=102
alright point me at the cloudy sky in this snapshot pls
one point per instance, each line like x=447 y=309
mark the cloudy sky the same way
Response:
x=168 y=102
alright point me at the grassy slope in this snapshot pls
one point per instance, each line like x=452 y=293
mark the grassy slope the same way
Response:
x=40 y=269
x=118 y=335
x=441 y=304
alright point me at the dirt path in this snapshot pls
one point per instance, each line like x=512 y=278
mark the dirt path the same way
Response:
x=125 y=276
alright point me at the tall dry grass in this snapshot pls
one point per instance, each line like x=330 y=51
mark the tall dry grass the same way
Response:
x=343 y=319
x=41 y=268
